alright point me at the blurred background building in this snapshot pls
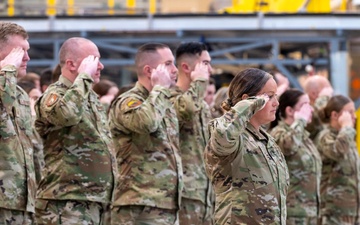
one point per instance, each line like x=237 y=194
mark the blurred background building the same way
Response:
x=296 y=38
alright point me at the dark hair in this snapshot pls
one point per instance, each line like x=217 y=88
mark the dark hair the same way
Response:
x=103 y=86
x=289 y=98
x=249 y=81
x=190 y=48
x=46 y=77
x=147 y=48
x=336 y=103
x=212 y=81
x=26 y=85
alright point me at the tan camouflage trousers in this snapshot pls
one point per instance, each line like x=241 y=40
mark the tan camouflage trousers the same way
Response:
x=69 y=213
x=302 y=220
x=15 y=217
x=193 y=212
x=339 y=220
x=143 y=215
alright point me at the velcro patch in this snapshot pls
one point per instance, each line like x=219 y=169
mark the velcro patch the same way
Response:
x=133 y=103
x=52 y=99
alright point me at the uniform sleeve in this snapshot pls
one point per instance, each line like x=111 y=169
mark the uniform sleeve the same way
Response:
x=133 y=114
x=8 y=86
x=65 y=109
x=226 y=130
x=335 y=147
x=321 y=102
x=290 y=139
x=191 y=100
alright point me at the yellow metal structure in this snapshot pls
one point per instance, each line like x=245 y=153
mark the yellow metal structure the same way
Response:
x=152 y=6
x=130 y=6
x=70 y=7
x=51 y=7
x=279 y=6
x=11 y=9
x=358 y=129
x=111 y=5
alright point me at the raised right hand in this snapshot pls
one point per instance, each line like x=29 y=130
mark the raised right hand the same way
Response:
x=201 y=71
x=305 y=113
x=160 y=76
x=89 y=65
x=13 y=58
x=345 y=119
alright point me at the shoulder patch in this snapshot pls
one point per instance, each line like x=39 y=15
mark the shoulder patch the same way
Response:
x=132 y=103
x=51 y=100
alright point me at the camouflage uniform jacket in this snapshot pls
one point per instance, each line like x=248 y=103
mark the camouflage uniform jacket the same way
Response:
x=247 y=168
x=17 y=173
x=146 y=135
x=79 y=155
x=340 y=181
x=315 y=126
x=304 y=163
x=194 y=115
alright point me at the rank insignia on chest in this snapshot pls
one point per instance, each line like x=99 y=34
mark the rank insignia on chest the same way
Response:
x=52 y=99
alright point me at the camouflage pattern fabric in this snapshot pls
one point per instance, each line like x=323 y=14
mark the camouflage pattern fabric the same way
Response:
x=69 y=213
x=194 y=212
x=39 y=162
x=302 y=220
x=247 y=168
x=79 y=155
x=193 y=115
x=315 y=126
x=340 y=181
x=146 y=135
x=337 y=220
x=143 y=215
x=17 y=173
x=304 y=164
x=15 y=217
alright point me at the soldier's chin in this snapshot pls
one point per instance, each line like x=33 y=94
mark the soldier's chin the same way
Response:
x=96 y=80
x=21 y=73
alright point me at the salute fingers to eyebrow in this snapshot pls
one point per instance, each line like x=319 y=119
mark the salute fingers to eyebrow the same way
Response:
x=13 y=58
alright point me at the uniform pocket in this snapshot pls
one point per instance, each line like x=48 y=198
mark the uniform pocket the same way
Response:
x=258 y=168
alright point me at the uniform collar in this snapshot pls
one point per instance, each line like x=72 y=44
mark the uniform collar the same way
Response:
x=142 y=88
x=65 y=81
x=260 y=135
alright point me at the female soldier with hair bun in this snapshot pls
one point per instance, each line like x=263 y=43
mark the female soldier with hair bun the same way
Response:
x=245 y=165
x=302 y=157
x=340 y=179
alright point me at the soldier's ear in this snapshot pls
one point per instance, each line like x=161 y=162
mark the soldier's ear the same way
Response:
x=70 y=65
x=185 y=67
x=244 y=96
x=147 y=71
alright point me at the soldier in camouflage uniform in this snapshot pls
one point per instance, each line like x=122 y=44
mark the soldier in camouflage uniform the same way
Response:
x=17 y=173
x=319 y=91
x=145 y=131
x=193 y=62
x=246 y=166
x=340 y=181
x=302 y=157
x=80 y=165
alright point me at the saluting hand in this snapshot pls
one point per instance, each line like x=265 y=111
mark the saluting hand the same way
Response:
x=201 y=71
x=305 y=113
x=13 y=58
x=265 y=97
x=345 y=119
x=89 y=65
x=160 y=76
